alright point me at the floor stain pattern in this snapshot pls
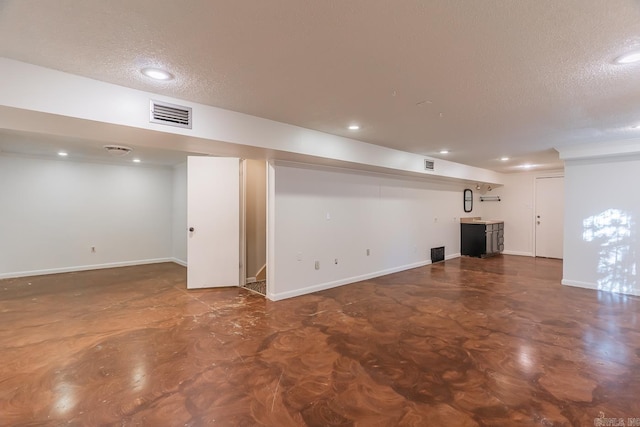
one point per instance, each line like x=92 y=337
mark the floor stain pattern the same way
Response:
x=467 y=342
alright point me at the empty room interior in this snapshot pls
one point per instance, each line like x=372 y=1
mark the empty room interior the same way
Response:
x=319 y=213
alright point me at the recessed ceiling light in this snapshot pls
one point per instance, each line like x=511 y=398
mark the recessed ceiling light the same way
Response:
x=136 y=160
x=504 y=159
x=444 y=151
x=354 y=127
x=157 y=73
x=628 y=58
x=527 y=166
x=63 y=153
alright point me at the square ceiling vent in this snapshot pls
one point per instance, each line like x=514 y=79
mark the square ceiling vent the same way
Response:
x=170 y=114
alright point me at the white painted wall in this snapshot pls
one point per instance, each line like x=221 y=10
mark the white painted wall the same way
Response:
x=179 y=214
x=323 y=214
x=53 y=211
x=602 y=212
x=516 y=208
x=255 y=175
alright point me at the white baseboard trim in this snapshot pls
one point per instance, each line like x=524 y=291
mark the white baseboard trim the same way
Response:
x=250 y=280
x=578 y=284
x=340 y=282
x=518 y=253
x=452 y=256
x=179 y=261
x=594 y=286
x=83 y=268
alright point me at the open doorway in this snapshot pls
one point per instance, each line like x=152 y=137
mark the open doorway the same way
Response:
x=227 y=223
x=255 y=213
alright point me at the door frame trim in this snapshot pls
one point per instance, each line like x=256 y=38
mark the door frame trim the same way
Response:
x=535 y=207
x=243 y=222
x=271 y=229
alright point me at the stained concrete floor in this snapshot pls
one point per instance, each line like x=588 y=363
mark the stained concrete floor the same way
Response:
x=467 y=342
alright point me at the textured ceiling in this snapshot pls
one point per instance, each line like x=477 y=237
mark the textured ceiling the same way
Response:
x=483 y=79
x=48 y=146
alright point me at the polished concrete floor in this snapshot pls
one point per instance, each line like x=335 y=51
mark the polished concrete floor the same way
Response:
x=489 y=342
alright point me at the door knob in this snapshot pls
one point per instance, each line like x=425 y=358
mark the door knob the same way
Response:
x=538 y=216
x=191 y=229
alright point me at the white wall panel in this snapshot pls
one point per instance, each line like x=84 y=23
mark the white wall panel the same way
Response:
x=602 y=211
x=327 y=214
x=179 y=214
x=53 y=211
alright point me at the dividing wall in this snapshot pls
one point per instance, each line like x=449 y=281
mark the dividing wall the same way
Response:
x=355 y=225
x=602 y=210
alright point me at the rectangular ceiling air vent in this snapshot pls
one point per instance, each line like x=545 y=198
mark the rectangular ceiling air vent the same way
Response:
x=429 y=165
x=170 y=114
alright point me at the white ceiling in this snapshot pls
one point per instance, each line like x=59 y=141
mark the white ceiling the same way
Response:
x=48 y=146
x=483 y=79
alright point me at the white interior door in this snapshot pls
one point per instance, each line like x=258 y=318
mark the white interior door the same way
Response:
x=213 y=218
x=549 y=216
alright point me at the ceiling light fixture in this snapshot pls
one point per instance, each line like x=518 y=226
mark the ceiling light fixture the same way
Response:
x=354 y=127
x=63 y=153
x=136 y=160
x=628 y=58
x=444 y=151
x=117 y=150
x=527 y=166
x=504 y=159
x=157 y=73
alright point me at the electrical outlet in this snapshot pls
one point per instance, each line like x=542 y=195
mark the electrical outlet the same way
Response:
x=335 y=261
x=299 y=256
x=317 y=265
x=368 y=252
x=93 y=249
x=435 y=219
